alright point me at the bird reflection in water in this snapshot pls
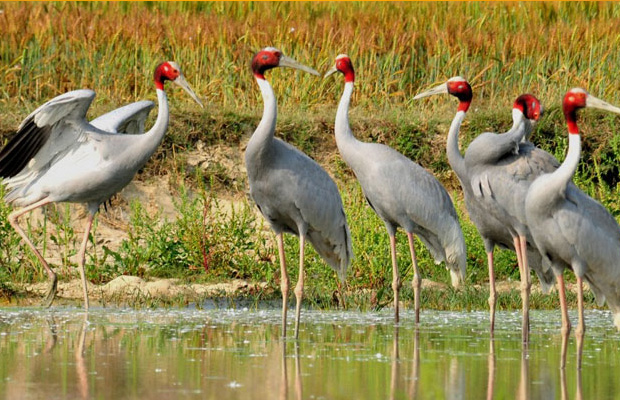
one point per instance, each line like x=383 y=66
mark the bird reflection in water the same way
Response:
x=80 y=361
x=491 y=368
x=298 y=385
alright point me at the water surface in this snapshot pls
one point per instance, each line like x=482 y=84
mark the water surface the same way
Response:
x=237 y=354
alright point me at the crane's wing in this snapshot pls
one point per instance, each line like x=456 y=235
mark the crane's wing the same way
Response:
x=42 y=134
x=321 y=207
x=489 y=148
x=127 y=119
x=594 y=235
x=520 y=169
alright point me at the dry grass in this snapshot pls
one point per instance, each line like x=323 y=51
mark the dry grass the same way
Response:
x=398 y=48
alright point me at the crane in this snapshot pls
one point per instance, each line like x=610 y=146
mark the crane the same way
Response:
x=403 y=194
x=574 y=231
x=495 y=174
x=58 y=156
x=294 y=194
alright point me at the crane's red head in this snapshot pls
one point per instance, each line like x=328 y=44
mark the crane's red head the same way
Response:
x=270 y=57
x=166 y=71
x=456 y=86
x=529 y=105
x=344 y=65
x=574 y=100
x=460 y=88
x=577 y=98
x=264 y=60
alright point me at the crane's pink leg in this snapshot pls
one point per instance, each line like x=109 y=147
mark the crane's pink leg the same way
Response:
x=524 y=300
x=581 y=325
x=395 y=275
x=283 y=281
x=299 y=288
x=82 y=258
x=13 y=217
x=492 y=292
x=565 y=321
x=417 y=281
x=526 y=285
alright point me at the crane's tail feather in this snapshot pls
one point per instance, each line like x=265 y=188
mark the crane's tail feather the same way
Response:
x=449 y=248
x=456 y=258
x=337 y=255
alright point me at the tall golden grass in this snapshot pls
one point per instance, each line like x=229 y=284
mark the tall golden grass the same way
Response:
x=398 y=48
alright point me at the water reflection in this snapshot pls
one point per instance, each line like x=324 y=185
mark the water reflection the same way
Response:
x=234 y=354
x=80 y=361
x=285 y=383
x=491 y=368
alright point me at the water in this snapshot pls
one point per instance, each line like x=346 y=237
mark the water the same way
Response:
x=238 y=354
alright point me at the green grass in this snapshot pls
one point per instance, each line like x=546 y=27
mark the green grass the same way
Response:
x=398 y=49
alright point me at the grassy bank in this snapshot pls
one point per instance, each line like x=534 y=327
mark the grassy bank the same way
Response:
x=397 y=49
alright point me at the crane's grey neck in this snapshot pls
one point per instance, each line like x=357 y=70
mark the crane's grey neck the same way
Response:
x=344 y=136
x=153 y=138
x=455 y=158
x=266 y=128
x=564 y=174
x=521 y=126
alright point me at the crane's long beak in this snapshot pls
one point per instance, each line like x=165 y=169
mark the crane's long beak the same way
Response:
x=330 y=72
x=443 y=88
x=289 y=62
x=180 y=80
x=594 y=102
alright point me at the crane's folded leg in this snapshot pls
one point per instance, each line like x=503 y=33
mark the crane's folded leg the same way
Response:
x=417 y=281
x=299 y=287
x=492 y=292
x=283 y=281
x=82 y=257
x=13 y=217
x=395 y=275
x=565 y=321
x=581 y=325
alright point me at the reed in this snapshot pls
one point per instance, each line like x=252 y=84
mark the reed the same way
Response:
x=398 y=48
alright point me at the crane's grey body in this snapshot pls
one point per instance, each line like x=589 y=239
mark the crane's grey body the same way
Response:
x=78 y=162
x=403 y=194
x=292 y=191
x=574 y=231
x=296 y=196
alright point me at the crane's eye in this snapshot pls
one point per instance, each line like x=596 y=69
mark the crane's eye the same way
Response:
x=265 y=57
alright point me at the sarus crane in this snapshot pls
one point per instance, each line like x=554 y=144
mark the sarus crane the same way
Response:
x=58 y=156
x=403 y=194
x=294 y=194
x=574 y=231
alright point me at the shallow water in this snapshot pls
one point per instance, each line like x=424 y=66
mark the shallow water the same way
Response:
x=238 y=354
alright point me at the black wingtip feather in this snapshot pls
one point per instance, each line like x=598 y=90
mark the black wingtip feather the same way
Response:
x=22 y=147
